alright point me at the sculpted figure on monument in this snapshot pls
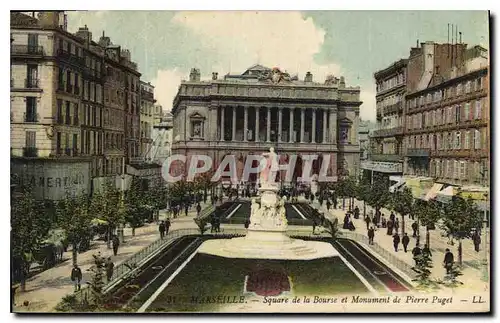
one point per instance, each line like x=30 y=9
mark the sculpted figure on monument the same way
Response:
x=267 y=175
x=255 y=213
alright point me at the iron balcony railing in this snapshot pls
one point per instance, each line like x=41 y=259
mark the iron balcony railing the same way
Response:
x=26 y=50
x=418 y=152
x=387 y=132
x=30 y=152
x=31 y=117
x=31 y=83
x=385 y=157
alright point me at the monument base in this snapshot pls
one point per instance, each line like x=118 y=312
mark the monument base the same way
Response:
x=268 y=245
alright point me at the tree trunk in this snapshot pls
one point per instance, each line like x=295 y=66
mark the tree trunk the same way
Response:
x=402 y=224
x=108 y=242
x=343 y=203
x=460 y=251
x=23 y=277
x=133 y=231
x=74 y=253
x=364 y=208
x=428 y=237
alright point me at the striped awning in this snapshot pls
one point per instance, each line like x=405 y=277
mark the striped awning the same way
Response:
x=431 y=194
x=446 y=194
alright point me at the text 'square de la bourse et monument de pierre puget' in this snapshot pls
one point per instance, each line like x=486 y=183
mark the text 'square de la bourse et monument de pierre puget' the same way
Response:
x=245 y=114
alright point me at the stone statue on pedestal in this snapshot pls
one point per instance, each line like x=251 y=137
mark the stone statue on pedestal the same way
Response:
x=268 y=174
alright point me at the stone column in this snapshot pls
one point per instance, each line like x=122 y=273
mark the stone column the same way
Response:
x=313 y=134
x=268 y=137
x=222 y=123
x=212 y=124
x=233 y=125
x=325 y=134
x=280 y=122
x=245 y=124
x=291 y=124
x=257 y=119
x=333 y=125
x=302 y=120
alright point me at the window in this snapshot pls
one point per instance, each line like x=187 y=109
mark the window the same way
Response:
x=457 y=140
x=76 y=115
x=32 y=76
x=75 y=143
x=479 y=84
x=468 y=87
x=467 y=140
x=463 y=166
x=459 y=89
x=30 y=114
x=449 y=169
x=432 y=142
x=30 y=139
x=449 y=117
x=32 y=43
x=60 y=84
x=456 y=169
x=466 y=111
x=449 y=143
x=457 y=114
x=429 y=98
x=477 y=111
x=60 y=119
x=438 y=141
x=68 y=112
x=58 y=143
x=477 y=139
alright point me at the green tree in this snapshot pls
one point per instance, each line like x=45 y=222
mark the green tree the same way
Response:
x=422 y=269
x=402 y=203
x=428 y=214
x=461 y=216
x=379 y=196
x=29 y=228
x=97 y=282
x=363 y=193
x=75 y=219
x=135 y=204
x=106 y=204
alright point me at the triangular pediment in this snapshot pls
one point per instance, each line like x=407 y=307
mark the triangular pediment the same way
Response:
x=256 y=68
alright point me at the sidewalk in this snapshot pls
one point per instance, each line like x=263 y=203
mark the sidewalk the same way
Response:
x=45 y=290
x=472 y=271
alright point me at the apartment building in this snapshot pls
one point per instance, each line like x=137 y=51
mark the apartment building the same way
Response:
x=147 y=108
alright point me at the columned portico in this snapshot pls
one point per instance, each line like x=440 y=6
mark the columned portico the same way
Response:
x=268 y=133
x=245 y=124
x=325 y=133
x=291 y=124
x=257 y=120
x=302 y=121
x=313 y=132
x=280 y=123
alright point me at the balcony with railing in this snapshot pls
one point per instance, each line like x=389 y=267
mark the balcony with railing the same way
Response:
x=26 y=50
x=418 y=152
x=385 y=157
x=382 y=167
x=389 y=132
x=31 y=117
x=70 y=58
x=30 y=152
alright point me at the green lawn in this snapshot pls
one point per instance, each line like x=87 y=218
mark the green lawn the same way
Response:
x=208 y=275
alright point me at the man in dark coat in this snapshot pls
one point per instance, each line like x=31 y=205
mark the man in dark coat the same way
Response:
x=405 y=241
x=109 y=269
x=186 y=209
x=476 y=238
x=390 y=225
x=416 y=253
x=76 y=277
x=392 y=217
x=395 y=240
x=328 y=204
x=247 y=223
x=116 y=244
x=167 y=226
x=198 y=209
x=426 y=251
x=414 y=227
x=356 y=212
x=161 y=228
x=371 y=235
x=448 y=261
x=367 y=220
x=346 y=221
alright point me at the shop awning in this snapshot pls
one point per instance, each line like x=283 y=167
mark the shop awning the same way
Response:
x=419 y=186
x=431 y=194
x=479 y=193
x=446 y=194
x=396 y=187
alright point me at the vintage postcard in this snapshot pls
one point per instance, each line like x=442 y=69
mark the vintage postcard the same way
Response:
x=250 y=161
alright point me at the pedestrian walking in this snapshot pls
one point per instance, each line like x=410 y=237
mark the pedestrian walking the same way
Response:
x=328 y=204
x=198 y=209
x=356 y=212
x=314 y=226
x=395 y=240
x=247 y=223
x=167 y=226
x=371 y=235
x=161 y=228
x=116 y=244
x=426 y=251
x=76 y=277
x=416 y=254
x=186 y=209
x=396 y=225
x=384 y=222
x=476 y=238
x=367 y=220
x=109 y=269
x=405 y=241
x=346 y=221
x=448 y=261
x=390 y=225
x=414 y=227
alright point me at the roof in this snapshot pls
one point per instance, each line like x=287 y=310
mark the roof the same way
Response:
x=21 y=19
x=257 y=68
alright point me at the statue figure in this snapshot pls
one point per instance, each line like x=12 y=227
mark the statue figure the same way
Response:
x=267 y=175
x=255 y=215
x=281 y=213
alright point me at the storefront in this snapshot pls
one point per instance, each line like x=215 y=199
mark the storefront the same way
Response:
x=52 y=179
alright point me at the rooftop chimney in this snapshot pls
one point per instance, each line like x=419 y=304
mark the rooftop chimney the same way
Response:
x=84 y=33
x=342 y=82
x=215 y=75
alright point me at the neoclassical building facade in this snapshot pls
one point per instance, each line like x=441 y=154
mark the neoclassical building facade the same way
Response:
x=247 y=114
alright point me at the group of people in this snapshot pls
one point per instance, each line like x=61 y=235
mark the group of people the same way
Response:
x=164 y=227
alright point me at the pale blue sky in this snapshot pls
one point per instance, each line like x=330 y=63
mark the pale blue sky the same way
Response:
x=355 y=44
